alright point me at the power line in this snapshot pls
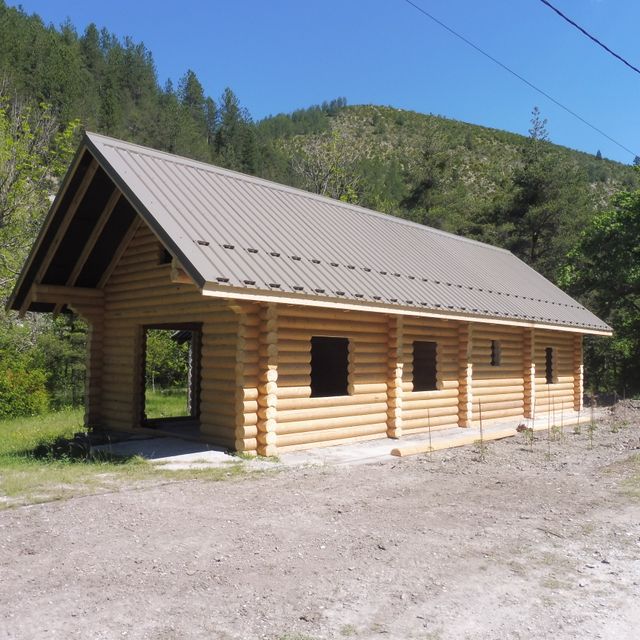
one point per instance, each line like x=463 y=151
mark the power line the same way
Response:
x=521 y=78
x=586 y=33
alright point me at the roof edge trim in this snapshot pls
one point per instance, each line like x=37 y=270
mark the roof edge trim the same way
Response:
x=212 y=290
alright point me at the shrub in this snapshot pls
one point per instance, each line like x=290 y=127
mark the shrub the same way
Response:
x=22 y=392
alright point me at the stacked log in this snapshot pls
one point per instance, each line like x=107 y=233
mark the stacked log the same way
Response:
x=578 y=373
x=529 y=372
x=436 y=409
x=94 y=359
x=394 y=382
x=267 y=380
x=465 y=375
x=559 y=394
x=140 y=292
x=498 y=389
x=304 y=421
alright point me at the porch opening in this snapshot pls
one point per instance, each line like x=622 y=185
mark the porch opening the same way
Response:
x=171 y=385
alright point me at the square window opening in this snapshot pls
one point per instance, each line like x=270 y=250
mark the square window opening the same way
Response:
x=171 y=373
x=329 y=367
x=425 y=376
x=548 y=365
x=496 y=353
x=164 y=256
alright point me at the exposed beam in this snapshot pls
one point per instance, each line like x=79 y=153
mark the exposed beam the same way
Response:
x=91 y=242
x=54 y=294
x=47 y=223
x=68 y=217
x=119 y=251
x=26 y=303
x=73 y=207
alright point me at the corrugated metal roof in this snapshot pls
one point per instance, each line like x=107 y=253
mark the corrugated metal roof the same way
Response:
x=233 y=230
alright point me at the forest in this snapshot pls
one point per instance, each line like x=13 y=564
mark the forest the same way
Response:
x=573 y=216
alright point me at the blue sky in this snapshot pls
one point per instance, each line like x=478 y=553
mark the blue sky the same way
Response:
x=279 y=55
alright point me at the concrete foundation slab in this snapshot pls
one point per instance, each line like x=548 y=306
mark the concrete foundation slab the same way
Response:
x=175 y=453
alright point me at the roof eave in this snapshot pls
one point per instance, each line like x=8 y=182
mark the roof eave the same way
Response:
x=259 y=295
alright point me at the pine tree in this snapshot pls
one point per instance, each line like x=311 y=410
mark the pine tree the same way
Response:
x=235 y=143
x=545 y=205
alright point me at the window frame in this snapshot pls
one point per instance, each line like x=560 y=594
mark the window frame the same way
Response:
x=496 y=353
x=164 y=255
x=435 y=385
x=196 y=374
x=550 y=365
x=314 y=393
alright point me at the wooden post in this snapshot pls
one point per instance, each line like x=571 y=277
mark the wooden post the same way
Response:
x=465 y=375
x=93 y=373
x=244 y=434
x=578 y=373
x=268 y=380
x=394 y=377
x=529 y=372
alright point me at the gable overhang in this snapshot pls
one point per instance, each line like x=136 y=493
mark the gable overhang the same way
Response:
x=89 y=223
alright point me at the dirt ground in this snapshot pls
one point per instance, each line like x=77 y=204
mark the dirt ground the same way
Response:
x=525 y=544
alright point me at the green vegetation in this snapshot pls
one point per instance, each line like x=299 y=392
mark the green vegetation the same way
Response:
x=165 y=403
x=36 y=466
x=604 y=269
x=26 y=478
x=523 y=193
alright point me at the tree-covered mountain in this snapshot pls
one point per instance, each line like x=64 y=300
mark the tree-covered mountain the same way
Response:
x=520 y=192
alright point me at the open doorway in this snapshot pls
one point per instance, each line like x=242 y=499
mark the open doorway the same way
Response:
x=171 y=374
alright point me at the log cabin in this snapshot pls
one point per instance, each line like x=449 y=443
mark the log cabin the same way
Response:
x=312 y=322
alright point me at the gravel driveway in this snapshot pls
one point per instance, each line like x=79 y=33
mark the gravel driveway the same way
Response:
x=525 y=544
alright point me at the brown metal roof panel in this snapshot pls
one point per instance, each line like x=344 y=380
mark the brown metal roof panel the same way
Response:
x=187 y=202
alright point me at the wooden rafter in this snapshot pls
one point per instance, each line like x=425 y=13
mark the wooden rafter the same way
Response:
x=91 y=242
x=54 y=294
x=119 y=251
x=55 y=244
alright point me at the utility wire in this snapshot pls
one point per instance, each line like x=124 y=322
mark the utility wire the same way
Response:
x=521 y=78
x=586 y=33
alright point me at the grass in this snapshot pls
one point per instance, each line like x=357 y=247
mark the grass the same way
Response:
x=166 y=403
x=29 y=476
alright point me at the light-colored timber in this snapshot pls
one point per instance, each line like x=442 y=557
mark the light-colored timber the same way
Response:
x=268 y=380
x=412 y=450
x=578 y=374
x=251 y=368
x=395 y=365
x=465 y=375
